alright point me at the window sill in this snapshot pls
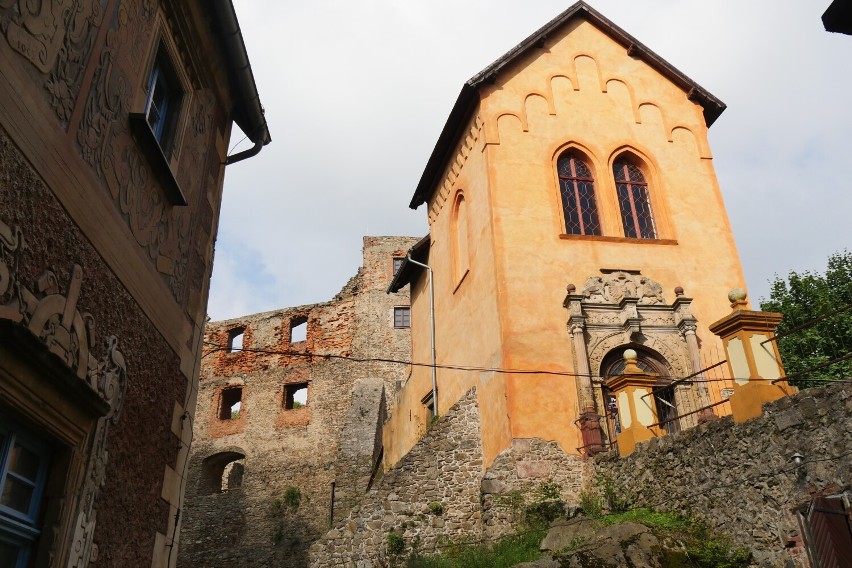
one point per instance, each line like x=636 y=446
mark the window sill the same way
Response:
x=156 y=158
x=618 y=240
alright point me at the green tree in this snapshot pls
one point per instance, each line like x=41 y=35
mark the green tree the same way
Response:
x=805 y=297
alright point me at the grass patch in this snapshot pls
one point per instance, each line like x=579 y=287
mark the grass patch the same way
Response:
x=701 y=546
x=503 y=553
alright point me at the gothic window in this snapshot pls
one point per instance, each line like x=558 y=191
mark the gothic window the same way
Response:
x=577 y=187
x=634 y=200
x=23 y=473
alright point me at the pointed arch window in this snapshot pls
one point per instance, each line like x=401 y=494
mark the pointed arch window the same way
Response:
x=577 y=186
x=634 y=200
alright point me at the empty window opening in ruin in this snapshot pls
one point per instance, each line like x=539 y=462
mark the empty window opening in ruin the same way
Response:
x=402 y=316
x=235 y=339
x=223 y=472
x=295 y=396
x=397 y=263
x=230 y=403
x=298 y=329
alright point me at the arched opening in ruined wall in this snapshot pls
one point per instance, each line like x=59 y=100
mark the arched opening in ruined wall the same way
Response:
x=222 y=472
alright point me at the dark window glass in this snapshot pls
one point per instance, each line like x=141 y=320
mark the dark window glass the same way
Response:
x=159 y=97
x=634 y=201
x=23 y=472
x=577 y=187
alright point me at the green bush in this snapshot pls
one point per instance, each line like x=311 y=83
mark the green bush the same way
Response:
x=292 y=498
x=396 y=544
x=437 y=508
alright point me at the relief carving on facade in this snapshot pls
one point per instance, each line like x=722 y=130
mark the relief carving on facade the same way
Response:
x=55 y=319
x=621 y=308
x=57 y=38
x=164 y=232
x=612 y=288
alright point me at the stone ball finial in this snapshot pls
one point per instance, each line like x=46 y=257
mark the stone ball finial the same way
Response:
x=737 y=295
x=571 y=288
x=630 y=354
x=679 y=291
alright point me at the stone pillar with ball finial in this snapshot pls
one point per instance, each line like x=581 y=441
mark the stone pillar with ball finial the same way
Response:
x=753 y=358
x=637 y=413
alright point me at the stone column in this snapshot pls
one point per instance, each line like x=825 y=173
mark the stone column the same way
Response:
x=753 y=361
x=589 y=420
x=688 y=325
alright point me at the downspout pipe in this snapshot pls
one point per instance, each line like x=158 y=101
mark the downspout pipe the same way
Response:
x=432 y=325
x=245 y=154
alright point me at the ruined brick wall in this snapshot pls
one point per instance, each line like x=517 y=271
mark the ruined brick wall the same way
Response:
x=741 y=477
x=445 y=467
x=291 y=456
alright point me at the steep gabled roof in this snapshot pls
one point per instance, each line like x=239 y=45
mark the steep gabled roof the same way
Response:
x=468 y=98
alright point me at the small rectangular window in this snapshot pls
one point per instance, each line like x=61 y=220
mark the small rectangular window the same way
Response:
x=157 y=126
x=402 y=317
x=295 y=396
x=231 y=402
x=397 y=263
x=235 y=339
x=298 y=329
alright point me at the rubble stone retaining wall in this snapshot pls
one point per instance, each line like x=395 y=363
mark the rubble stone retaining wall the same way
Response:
x=431 y=494
x=741 y=477
x=514 y=480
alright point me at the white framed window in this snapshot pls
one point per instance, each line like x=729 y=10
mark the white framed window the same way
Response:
x=24 y=461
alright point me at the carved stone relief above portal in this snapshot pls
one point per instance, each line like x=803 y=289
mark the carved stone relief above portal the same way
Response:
x=612 y=288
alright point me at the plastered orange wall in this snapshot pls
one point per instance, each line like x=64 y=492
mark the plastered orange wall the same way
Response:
x=581 y=90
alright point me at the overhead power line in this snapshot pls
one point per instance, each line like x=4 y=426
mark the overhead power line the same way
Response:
x=308 y=355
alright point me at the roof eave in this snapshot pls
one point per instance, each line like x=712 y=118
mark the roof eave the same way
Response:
x=468 y=98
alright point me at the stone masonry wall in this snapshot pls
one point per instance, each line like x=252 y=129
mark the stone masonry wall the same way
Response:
x=520 y=471
x=289 y=457
x=741 y=477
x=444 y=468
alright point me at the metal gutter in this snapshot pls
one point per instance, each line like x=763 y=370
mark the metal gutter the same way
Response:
x=248 y=112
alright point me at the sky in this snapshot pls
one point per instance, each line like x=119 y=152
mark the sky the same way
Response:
x=356 y=93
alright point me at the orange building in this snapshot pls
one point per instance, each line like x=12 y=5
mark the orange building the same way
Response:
x=577 y=160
